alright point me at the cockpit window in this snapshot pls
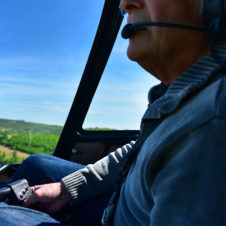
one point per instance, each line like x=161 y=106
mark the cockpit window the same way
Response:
x=44 y=46
x=121 y=97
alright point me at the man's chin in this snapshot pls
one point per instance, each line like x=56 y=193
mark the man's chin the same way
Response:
x=134 y=54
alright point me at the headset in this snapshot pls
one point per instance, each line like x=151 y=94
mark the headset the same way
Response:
x=214 y=16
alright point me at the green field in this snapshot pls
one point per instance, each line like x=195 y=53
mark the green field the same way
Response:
x=26 y=137
x=30 y=144
x=18 y=137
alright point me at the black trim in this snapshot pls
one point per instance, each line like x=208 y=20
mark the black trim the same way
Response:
x=117 y=136
x=105 y=37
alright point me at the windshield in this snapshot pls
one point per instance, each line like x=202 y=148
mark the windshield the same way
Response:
x=44 y=46
x=121 y=97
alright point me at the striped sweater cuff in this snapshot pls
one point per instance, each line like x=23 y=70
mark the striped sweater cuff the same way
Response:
x=76 y=187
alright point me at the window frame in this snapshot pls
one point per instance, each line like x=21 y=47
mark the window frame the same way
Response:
x=73 y=132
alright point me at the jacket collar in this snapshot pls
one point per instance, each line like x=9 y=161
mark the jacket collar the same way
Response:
x=189 y=82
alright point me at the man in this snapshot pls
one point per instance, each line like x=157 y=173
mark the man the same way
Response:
x=177 y=178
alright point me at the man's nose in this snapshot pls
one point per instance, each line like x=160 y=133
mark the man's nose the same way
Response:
x=129 y=6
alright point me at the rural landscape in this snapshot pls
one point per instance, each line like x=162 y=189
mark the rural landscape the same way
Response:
x=19 y=139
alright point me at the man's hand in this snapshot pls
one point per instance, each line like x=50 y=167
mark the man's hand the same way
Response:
x=48 y=197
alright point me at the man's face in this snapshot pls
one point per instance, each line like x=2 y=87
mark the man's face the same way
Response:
x=153 y=43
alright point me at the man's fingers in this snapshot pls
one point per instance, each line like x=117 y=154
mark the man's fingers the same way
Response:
x=34 y=198
x=49 y=197
x=34 y=188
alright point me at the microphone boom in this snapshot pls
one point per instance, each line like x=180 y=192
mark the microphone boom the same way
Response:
x=130 y=29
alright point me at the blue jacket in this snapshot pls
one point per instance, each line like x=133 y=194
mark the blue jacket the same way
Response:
x=179 y=177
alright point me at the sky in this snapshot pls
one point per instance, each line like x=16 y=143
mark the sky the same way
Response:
x=44 y=46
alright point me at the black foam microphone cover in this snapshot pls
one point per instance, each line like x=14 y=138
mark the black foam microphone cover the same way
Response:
x=127 y=31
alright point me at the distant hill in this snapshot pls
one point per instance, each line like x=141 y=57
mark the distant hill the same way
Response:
x=29 y=138
x=23 y=127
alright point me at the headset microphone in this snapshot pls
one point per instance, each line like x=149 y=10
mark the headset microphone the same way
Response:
x=127 y=31
x=130 y=29
x=214 y=17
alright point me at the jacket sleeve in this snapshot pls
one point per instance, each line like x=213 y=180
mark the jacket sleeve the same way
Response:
x=98 y=178
x=190 y=189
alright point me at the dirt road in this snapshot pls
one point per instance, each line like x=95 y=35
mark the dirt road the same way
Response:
x=9 y=152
